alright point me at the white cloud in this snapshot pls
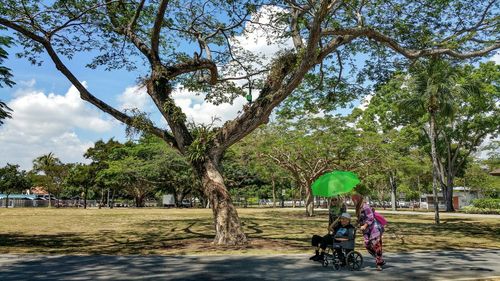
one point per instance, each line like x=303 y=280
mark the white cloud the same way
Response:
x=257 y=39
x=43 y=123
x=201 y=111
x=192 y=104
x=135 y=97
x=28 y=83
x=496 y=58
x=365 y=102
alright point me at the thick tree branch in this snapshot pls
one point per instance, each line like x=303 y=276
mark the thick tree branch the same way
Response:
x=128 y=32
x=84 y=93
x=191 y=66
x=274 y=91
x=160 y=91
x=87 y=96
x=408 y=53
x=22 y=30
x=294 y=25
x=155 y=36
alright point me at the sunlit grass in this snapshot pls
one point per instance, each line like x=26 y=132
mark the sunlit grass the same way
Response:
x=190 y=231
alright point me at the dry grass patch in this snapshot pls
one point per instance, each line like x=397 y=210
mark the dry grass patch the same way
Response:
x=190 y=231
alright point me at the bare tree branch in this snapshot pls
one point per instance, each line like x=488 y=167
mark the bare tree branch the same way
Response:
x=127 y=32
x=76 y=17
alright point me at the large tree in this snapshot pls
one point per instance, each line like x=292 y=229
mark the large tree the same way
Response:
x=13 y=180
x=53 y=173
x=82 y=177
x=323 y=33
x=100 y=154
x=307 y=149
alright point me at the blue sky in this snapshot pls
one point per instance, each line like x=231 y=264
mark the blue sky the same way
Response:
x=49 y=116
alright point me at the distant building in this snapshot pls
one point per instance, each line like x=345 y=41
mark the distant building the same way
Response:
x=462 y=196
x=37 y=190
x=18 y=196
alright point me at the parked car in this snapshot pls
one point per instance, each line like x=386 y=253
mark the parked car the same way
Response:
x=186 y=203
x=45 y=197
x=403 y=204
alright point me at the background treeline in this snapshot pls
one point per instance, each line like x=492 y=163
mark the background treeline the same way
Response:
x=435 y=113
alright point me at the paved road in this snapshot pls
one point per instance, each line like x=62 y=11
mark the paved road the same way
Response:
x=443 y=265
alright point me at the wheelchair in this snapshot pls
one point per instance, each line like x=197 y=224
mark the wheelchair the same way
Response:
x=353 y=260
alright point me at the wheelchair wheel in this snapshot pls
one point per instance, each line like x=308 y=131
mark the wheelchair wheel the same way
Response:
x=325 y=262
x=354 y=260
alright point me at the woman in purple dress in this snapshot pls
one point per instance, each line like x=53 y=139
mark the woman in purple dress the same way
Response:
x=372 y=230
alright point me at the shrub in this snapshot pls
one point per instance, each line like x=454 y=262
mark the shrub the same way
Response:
x=487 y=203
x=475 y=210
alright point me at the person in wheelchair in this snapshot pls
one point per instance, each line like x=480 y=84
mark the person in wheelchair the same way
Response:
x=340 y=236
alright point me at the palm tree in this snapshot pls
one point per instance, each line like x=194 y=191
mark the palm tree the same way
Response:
x=431 y=88
x=51 y=167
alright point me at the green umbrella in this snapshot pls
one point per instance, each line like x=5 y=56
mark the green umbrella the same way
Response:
x=334 y=183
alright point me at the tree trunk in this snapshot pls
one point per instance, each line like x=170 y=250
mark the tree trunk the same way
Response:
x=392 y=181
x=107 y=198
x=102 y=198
x=7 y=201
x=112 y=199
x=449 y=195
x=435 y=181
x=181 y=198
x=274 y=192
x=176 y=200
x=85 y=199
x=228 y=230
x=309 y=201
x=444 y=191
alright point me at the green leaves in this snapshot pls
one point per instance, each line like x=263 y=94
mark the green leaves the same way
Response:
x=141 y=124
x=203 y=138
x=13 y=180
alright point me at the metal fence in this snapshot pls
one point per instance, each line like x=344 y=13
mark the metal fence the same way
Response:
x=19 y=203
x=12 y=203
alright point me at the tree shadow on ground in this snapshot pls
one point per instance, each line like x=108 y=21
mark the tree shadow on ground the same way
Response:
x=269 y=231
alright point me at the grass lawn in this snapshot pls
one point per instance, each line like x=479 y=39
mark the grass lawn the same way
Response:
x=190 y=231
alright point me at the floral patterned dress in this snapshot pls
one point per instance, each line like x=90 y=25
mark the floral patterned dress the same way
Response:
x=372 y=234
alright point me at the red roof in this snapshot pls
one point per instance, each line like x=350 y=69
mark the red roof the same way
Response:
x=39 y=190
